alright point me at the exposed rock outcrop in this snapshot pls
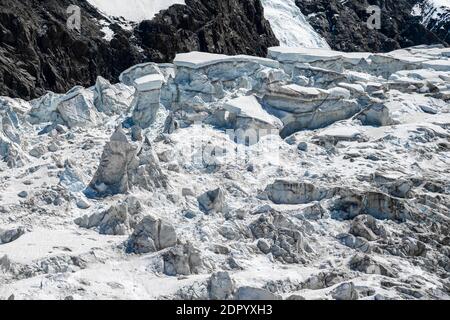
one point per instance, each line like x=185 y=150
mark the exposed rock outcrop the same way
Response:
x=282 y=238
x=50 y=56
x=38 y=52
x=221 y=286
x=212 y=201
x=151 y=235
x=118 y=219
x=344 y=25
x=9 y=235
x=125 y=164
x=182 y=260
x=251 y=293
x=216 y=26
x=119 y=160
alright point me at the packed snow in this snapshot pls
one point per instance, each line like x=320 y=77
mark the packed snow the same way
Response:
x=133 y=10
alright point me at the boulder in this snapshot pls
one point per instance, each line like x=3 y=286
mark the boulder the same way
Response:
x=151 y=235
x=118 y=160
x=367 y=227
x=22 y=194
x=345 y=291
x=366 y=264
x=221 y=286
x=9 y=235
x=118 y=219
x=212 y=201
x=182 y=260
x=251 y=293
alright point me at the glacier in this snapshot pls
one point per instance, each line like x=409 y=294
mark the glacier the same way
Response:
x=309 y=174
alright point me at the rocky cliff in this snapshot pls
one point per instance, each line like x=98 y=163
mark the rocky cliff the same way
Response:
x=229 y=27
x=344 y=24
x=38 y=52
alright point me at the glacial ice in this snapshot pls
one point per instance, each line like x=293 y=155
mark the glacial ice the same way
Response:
x=347 y=195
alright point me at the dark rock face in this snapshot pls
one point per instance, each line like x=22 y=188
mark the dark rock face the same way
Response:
x=216 y=26
x=344 y=24
x=38 y=52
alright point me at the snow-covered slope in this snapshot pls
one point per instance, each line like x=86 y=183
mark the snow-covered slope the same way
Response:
x=290 y=25
x=133 y=10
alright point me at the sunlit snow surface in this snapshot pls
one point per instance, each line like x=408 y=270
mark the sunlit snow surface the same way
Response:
x=133 y=10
